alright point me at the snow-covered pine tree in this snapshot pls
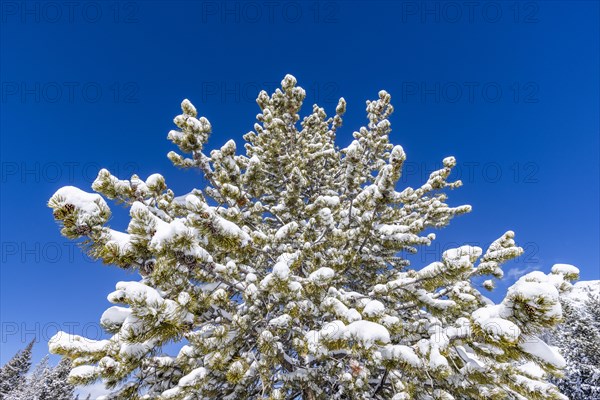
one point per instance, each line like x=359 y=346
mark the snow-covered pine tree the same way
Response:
x=34 y=383
x=45 y=383
x=578 y=338
x=286 y=276
x=56 y=385
x=13 y=373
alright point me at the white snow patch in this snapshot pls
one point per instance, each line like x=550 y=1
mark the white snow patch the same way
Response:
x=281 y=322
x=334 y=330
x=367 y=332
x=401 y=353
x=374 y=308
x=322 y=275
x=114 y=316
x=193 y=377
x=538 y=348
x=153 y=180
x=167 y=232
x=565 y=269
x=84 y=372
x=90 y=203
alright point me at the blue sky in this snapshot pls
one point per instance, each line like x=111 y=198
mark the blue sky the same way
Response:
x=510 y=89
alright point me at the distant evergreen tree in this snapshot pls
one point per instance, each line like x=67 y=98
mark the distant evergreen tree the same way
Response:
x=12 y=375
x=44 y=383
x=579 y=340
x=56 y=385
x=34 y=383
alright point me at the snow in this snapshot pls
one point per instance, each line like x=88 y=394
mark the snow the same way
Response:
x=281 y=322
x=322 y=275
x=153 y=180
x=467 y=253
x=251 y=290
x=353 y=315
x=62 y=340
x=171 y=393
x=401 y=353
x=183 y=298
x=449 y=162
x=501 y=328
x=374 y=308
x=428 y=271
x=333 y=330
x=367 y=333
x=532 y=369
x=89 y=206
x=266 y=336
x=473 y=362
x=84 y=372
x=285 y=231
x=134 y=292
x=193 y=377
x=338 y=307
x=188 y=107
x=199 y=253
x=436 y=359
x=136 y=350
x=281 y=270
x=565 y=269
x=120 y=239
x=90 y=203
x=328 y=201
x=137 y=207
x=390 y=230
x=114 y=316
x=538 y=348
x=355 y=293
x=490 y=320
x=228 y=228
x=294 y=286
x=221 y=225
x=167 y=232
x=390 y=321
x=581 y=290
x=533 y=288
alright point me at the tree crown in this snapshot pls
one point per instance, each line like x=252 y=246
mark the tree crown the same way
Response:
x=286 y=276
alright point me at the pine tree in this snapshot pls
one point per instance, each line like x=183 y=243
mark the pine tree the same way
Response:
x=56 y=385
x=578 y=338
x=13 y=373
x=287 y=276
x=45 y=383
x=34 y=383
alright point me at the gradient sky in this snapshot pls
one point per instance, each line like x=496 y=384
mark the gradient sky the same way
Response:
x=510 y=89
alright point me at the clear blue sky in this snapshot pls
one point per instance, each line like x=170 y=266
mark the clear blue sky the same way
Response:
x=512 y=91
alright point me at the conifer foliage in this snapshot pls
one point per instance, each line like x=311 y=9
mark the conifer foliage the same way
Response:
x=13 y=373
x=286 y=276
x=578 y=338
x=44 y=383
